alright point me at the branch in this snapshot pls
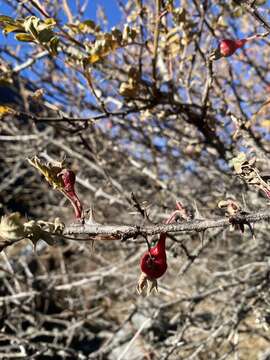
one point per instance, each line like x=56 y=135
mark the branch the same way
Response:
x=156 y=37
x=249 y=7
x=123 y=232
x=29 y=62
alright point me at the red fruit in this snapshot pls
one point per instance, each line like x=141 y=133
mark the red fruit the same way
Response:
x=227 y=47
x=153 y=262
x=68 y=178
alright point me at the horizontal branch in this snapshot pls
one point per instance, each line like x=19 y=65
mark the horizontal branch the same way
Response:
x=120 y=232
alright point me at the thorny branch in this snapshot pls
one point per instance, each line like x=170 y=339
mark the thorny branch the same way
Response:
x=119 y=232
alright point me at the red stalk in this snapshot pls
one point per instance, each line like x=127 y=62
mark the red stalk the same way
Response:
x=68 y=178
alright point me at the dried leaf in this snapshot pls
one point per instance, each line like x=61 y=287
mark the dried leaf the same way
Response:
x=37 y=95
x=50 y=171
x=84 y=27
x=131 y=88
x=173 y=42
x=128 y=90
x=53 y=45
x=31 y=24
x=11 y=28
x=107 y=43
x=129 y=34
x=47 y=24
x=34 y=232
x=43 y=230
x=11 y=230
x=223 y=204
x=238 y=162
x=10 y=25
x=24 y=37
x=6 y=110
x=92 y=59
x=247 y=170
x=179 y=15
x=266 y=123
x=45 y=36
x=4 y=18
x=32 y=29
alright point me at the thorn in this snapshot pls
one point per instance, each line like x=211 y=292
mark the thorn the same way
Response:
x=197 y=212
x=92 y=246
x=201 y=235
x=251 y=229
x=91 y=216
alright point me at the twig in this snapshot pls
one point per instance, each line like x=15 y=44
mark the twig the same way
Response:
x=253 y=12
x=144 y=324
x=156 y=37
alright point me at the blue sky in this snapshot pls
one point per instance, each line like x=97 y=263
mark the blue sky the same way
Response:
x=111 y=8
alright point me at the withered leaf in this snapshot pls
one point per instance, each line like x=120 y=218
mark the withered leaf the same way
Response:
x=50 y=171
x=11 y=230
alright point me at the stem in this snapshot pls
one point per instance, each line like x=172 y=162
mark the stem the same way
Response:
x=131 y=231
x=75 y=202
x=171 y=219
x=156 y=37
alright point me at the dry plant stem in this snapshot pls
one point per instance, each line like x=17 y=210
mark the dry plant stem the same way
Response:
x=123 y=232
x=88 y=77
x=68 y=11
x=40 y=8
x=156 y=37
x=253 y=12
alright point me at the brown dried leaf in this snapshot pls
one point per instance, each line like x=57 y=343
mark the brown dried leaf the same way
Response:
x=6 y=110
x=43 y=230
x=50 y=171
x=11 y=230
x=238 y=162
